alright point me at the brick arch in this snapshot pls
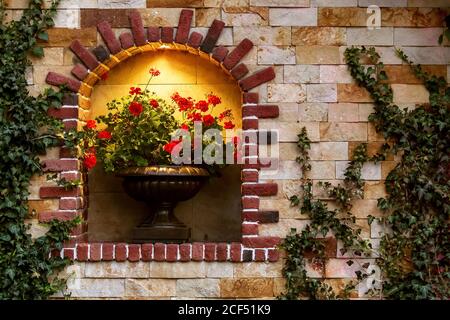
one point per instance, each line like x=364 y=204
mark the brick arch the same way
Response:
x=94 y=64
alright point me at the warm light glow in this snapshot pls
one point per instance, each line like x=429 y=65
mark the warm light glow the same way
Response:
x=164 y=46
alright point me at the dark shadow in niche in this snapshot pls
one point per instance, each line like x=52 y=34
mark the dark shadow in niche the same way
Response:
x=214 y=214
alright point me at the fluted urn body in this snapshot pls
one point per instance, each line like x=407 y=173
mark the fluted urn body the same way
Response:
x=162 y=187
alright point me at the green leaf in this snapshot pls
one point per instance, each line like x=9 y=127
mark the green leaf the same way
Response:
x=38 y=51
x=43 y=36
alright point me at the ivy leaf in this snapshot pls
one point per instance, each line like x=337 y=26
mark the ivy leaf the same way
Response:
x=38 y=51
x=43 y=36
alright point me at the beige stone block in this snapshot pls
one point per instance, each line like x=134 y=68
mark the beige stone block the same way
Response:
x=421 y=55
x=378 y=229
x=364 y=110
x=288 y=131
x=318 y=55
x=258 y=269
x=205 y=16
x=352 y=93
x=410 y=93
x=329 y=151
x=369 y=171
x=245 y=16
x=36 y=182
x=290 y=188
x=428 y=3
x=335 y=74
x=198 y=287
x=263 y=35
x=301 y=74
x=288 y=112
x=36 y=229
x=320 y=192
x=387 y=55
x=40 y=72
x=164 y=17
x=372 y=134
x=106 y=269
x=282 y=228
x=219 y=270
x=284 y=170
x=125 y=4
x=150 y=287
x=276 y=55
x=67 y=18
x=334 y=3
x=342 y=17
x=321 y=93
x=177 y=270
x=225 y=3
x=293 y=17
x=279 y=286
x=313 y=36
x=225 y=38
x=362 y=208
x=246 y=288
x=99 y=288
x=365 y=36
x=338 y=268
x=417 y=36
x=288 y=151
x=343 y=112
x=341 y=131
x=285 y=210
x=322 y=170
x=280 y=3
x=52 y=57
x=37 y=206
x=374 y=189
x=386 y=168
x=313 y=111
x=286 y=93
x=383 y=3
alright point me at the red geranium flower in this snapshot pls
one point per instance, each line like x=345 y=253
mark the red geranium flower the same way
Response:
x=169 y=146
x=154 y=103
x=228 y=125
x=208 y=120
x=105 y=76
x=89 y=160
x=213 y=99
x=195 y=116
x=154 y=72
x=184 y=104
x=135 y=108
x=91 y=124
x=202 y=105
x=225 y=114
x=134 y=90
x=104 y=135
x=184 y=126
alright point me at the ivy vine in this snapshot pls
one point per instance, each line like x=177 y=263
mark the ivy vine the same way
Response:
x=27 y=269
x=414 y=252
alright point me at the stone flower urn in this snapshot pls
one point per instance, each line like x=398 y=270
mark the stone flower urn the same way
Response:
x=162 y=187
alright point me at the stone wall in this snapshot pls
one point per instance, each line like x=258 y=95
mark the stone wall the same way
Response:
x=305 y=41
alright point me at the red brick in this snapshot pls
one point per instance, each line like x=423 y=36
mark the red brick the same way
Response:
x=159 y=252
x=251 y=97
x=146 y=251
x=70 y=124
x=67 y=152
x=184 y=25
x=47 y=216
x=260 y=242
x=195 y=40
x=249 y=176
x=79 y=71
x=210 y=251
x=89 y=60
x=167 y=34
x=212 y=36
x=55 y=253
x=69 y=253
x=268 y=216
x=251 y=216
x=82 y=251
x=235 y=252
x=137 y=28
x=70 y=203
x=239 y=71
x=220 y=53
x=197 y=251
x=153 y=34
x=60 y=165
x=95 y=252
x=172 y=252
x=248 y=124
x=70 y=99
x=104 y=28
x=63 y=113
x=107 y=251
x=222 y=252
x=134 y=252
x=185 y=251
x=260 y=189
x=250 y=203
x=126 y=40
x=257 y=78
x=79 y=229
x=71 y=176
x=101 y=53
x=261 y=111
x=250 y=229
x=117 y=18
x=237 y=54
x=121 y=252
x=56 y=79
x=273 y=255
x=260 y=255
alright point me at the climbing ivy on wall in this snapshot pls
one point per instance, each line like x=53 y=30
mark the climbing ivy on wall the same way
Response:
x=27 y=270
x=414 y=252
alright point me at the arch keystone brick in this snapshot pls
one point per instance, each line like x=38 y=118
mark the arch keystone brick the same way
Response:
x=57 y=79
x=257 y=79
x=184 y=25
x=195 y=40
x=104 y=28
x=137 y=28
x=238 y=53
x=88 y=59
x=212 y=36
x=167 y=34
